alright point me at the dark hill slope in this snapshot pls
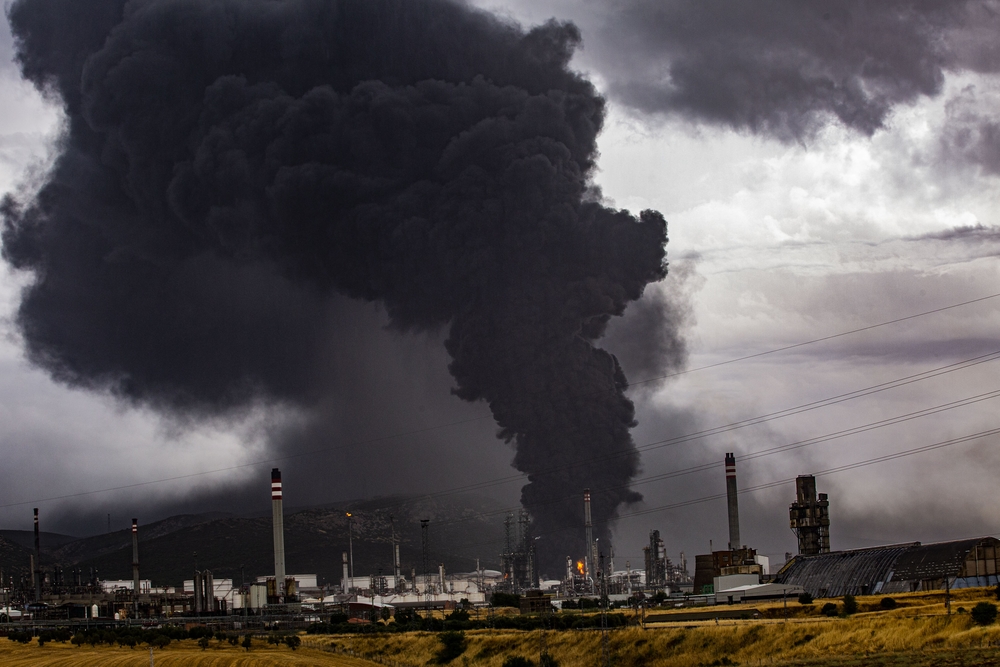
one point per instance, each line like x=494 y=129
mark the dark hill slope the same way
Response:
x=461 y=530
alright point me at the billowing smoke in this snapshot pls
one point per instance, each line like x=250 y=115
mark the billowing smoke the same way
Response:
x=785 y=68
x=230 y=170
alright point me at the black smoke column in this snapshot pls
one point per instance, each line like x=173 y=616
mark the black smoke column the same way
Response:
x=229 y=166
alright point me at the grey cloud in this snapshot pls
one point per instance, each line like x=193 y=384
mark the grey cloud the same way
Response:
x=971 y=134
x=973 y=234
x=784 y=68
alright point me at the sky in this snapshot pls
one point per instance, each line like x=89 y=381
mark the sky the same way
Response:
x=820 y=172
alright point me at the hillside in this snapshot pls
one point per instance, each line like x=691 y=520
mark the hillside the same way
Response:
x=14 y=558
x=462 y=528
x=26 y=538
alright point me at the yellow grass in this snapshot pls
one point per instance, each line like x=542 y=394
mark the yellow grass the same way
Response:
x=916 y=633
x=178 y=654
x=918 y=627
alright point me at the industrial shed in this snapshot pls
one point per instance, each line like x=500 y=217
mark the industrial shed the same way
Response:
x=897 y=568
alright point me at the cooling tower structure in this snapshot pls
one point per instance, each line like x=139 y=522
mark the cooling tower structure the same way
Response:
x=135 y=559
x=809 y=517
x=279 y=535
x=732 y=503
x=36 y=569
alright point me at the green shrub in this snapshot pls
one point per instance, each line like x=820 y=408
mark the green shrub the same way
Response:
x=453 y=644
x=984 y=613
x=518 y=661
x=887 y=603
x=850 y=605
x=203 y=642
x=247 y=642
x=294 y=641
x=805 y=598
x=505 y=600
x=829 y=609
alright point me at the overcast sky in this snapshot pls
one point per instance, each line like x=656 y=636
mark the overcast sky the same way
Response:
x=820 y=172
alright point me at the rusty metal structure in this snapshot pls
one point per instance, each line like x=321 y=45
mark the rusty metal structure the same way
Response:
x=809 y=517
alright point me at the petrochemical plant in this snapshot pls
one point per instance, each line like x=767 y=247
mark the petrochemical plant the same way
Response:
x=734 y=575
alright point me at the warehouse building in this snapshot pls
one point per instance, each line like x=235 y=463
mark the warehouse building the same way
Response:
x=898 y=568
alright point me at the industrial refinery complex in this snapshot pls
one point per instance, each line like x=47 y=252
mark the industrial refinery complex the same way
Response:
x=734 y=575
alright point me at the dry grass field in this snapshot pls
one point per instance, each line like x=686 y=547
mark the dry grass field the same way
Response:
x=178 y=654
x=917 y=633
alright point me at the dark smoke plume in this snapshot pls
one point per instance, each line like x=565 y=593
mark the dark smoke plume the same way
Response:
x=784 y=67
x=229 y=167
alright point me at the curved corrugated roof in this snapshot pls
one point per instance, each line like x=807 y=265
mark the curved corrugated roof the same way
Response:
x=935 y=561
x=857 y=572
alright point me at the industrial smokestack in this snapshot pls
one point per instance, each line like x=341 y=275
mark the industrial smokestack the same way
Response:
x=589 y=558
x=396 y=569
x=734 y=508
x=279 y=534
x=36 y=570
x=347 y=583
x=135 y=558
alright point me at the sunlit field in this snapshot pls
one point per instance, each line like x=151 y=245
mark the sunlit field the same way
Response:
x=185 y=653
x=917 y=632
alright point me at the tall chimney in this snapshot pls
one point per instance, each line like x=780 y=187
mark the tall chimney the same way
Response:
x=589 y=560
x=734 y=508
x=135 y=558
x=397 y=572
x=279 y=534
x=36 y=570
x=347 y=582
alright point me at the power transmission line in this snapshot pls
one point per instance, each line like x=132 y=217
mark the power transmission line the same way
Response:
x=816 y=340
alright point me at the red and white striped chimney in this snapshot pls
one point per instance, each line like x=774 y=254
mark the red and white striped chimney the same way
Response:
x=279 y=532
x=135 y=558
x=734 y=508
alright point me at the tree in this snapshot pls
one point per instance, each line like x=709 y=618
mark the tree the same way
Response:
x=518 y=661
x=247 y=642
x=453 y=644
x=805 y=598
x=203 y=642
x=293 y=641
x=850 y=605
x=505 y=600
x=984 y=613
